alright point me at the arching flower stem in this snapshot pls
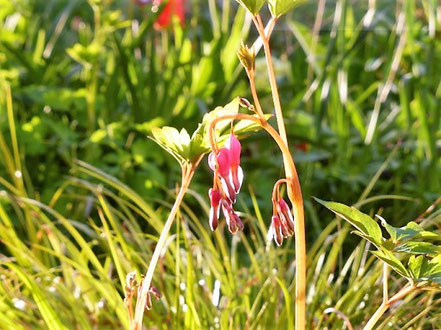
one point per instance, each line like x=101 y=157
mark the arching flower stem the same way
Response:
x=188 y=170
x=294 y=190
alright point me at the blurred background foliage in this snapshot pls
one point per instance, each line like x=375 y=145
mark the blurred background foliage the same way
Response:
x=87 y=80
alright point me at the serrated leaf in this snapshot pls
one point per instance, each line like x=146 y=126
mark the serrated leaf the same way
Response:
x=281 y=7
x=392 y=261
x=415 y=264
x=253 y=6
x=411 y=231
x=367 y=227
x=188 y=149
x=419 y=248
x=431 y=269
x=175 y=142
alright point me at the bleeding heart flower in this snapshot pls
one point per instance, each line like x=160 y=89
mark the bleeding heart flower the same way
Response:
x=228 y=177
x=222 y=161
x=282 y=222
x=233 y=221
x=286 y=218
x=223 y=164
x=233 y=145
x=215 y=199
x=275 y=230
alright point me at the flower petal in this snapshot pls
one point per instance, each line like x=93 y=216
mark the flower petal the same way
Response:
x=233 y=220
x=215 y=198
x=235 y=148
x=228 y=189
x=277 y=230
x=284 y=210
x=236 y=178
x=224 y=162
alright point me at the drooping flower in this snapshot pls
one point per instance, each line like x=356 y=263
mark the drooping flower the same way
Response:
x=228 y=177
x=235 y=148
x=275 y=230
x=286 y=218
x=174 y=9
x=222 y=163
x=282 y=222
x=233 y=221
x=156 y=294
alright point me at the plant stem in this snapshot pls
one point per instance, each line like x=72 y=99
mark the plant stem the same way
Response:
x=187 y=175
x=251 y=76
x=386 y=304
x=294 y=189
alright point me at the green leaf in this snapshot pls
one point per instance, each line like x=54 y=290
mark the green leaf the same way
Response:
x=431 y=270
x=392 y=261
x=367 y=227
x=419 y=248
x=281 y=7
x=175 y=142
x=253 y=6
x=411 y=231
x=186 y=149
x=415 y=264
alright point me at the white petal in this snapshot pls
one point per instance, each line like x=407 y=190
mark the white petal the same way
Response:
x=270 y=234
x=240 y=177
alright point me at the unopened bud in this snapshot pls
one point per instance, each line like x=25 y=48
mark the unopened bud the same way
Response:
x=243 y=102
x=247 y=57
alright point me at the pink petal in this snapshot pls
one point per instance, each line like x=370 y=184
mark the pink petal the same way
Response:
x=229 y=190
x=224 y=162
x=237 y=178
x=215 y=197
x=235 y=148
x=285 y=211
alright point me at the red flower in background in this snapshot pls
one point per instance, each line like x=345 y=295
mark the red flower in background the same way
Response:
x=174 y=9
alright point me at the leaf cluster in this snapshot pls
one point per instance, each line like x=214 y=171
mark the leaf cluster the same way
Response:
x=188 y=149
x=410 y=251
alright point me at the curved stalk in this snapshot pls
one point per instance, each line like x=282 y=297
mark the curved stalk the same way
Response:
x=386 y=304
x=187 y=174
x=295 y=196
x=294 y=190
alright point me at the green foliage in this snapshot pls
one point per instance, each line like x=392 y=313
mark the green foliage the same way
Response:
x=424 y=258
x=281 y=7
x=188 y=149
x=365 y=225
x=92 y=82
x=253 y=6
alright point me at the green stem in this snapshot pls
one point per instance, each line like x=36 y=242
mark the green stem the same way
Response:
x=294 y=189
x=187 y=175
x=386 y=304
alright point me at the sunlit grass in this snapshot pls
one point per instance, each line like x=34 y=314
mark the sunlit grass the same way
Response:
x=84 y=195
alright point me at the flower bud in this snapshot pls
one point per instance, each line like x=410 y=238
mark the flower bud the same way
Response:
x=247 y=57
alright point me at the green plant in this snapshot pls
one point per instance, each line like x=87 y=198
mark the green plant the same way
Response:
x=90 y=80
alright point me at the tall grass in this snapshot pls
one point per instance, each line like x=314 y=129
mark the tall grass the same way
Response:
x=81 y=81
